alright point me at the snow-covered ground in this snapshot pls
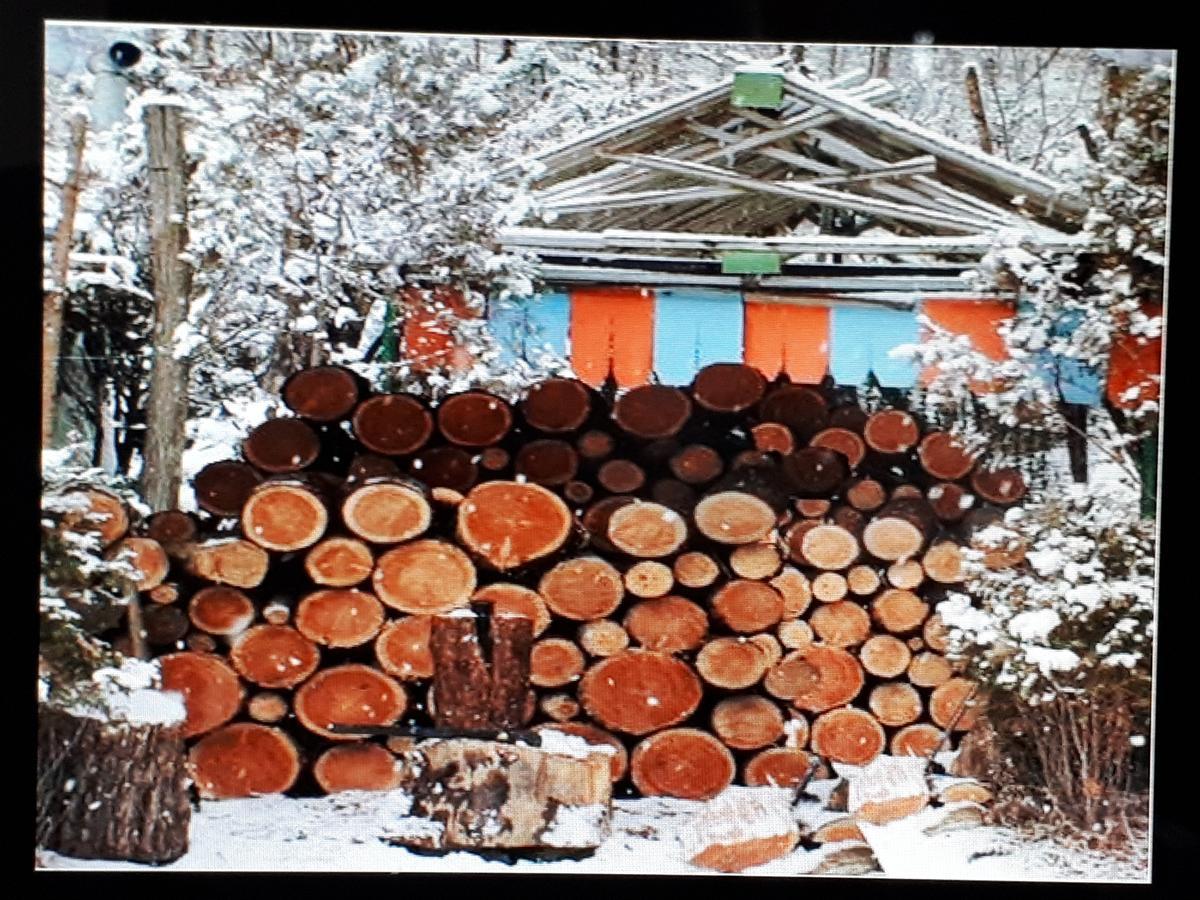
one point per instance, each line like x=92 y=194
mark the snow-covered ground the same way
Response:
x=348 y=833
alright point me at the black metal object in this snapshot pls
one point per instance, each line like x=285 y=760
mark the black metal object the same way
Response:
x=530 y=738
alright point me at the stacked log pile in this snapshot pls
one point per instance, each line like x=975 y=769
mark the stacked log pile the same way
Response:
x=723 y=580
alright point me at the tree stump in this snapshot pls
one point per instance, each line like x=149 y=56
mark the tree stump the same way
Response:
x=108 y=790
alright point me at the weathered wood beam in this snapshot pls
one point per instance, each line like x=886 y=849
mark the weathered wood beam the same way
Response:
x=661 y=112
x=967 y=245
x=1015 y=178
x=805 y=191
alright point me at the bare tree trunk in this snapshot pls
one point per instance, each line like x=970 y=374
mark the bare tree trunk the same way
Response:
x=166 y=408
x=975 y=99
x=52 y=302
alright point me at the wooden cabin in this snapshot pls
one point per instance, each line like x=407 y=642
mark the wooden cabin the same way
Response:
x=799 y=226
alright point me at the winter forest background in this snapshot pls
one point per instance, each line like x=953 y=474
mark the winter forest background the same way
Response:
x=325 y=169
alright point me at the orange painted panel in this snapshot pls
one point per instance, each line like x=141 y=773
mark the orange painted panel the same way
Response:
x=428 y=315
x=612 y=329
x=980 y=320
x=1134 y=364
x=782 y=337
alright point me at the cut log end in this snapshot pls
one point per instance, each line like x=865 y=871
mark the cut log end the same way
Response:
x=234 y=561
x=507 y=524
x=747 y=722
x=582 y=589
x=105 y=516
x=557 y=405
x=559 y=707
x=796 y=590
x=842 y=623
x=885 y=656
x=339 y=562
x=211 y=691
x=899 y=611
x=281 y=446
x=339 y=617
x=682 y=762
x=322 y=393
x=843 y=441
x=944 y=456
x=747 y=606
x=356 y=767
x=555 y=662
x=274 y=656
x=445 y=468
x=244 y=760
x=773 y=437
x=221 y=610
x=603 y=637
x=349 y=694
x=222 y=488
x=267 y=708
x=424 y=577
x=474 y=419
x=756 y=561
x=1000 y=486
x=145 y=557
x=829 y=547
x=402 y=648
x=618 y=760
x=652 y=411
x=891 y=539
x=838 y=679
x=640 y=691
x=895 y=703
x=891 y=431
x=848 y=735
x=696 y=464
x=667 y=624
x=777 y=767
x=284 y=516
x=648 y=579
x=646 y=529
x=732 y=663
x=728 y=387
x=621 y=476
x=549 y=462
x=695 y=569
x=386 y=512
x=733 y=517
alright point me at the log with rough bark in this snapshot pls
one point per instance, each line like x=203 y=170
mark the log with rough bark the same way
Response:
x=681 y=762
x=245 y=759
x=476 y=795
x=110 y=790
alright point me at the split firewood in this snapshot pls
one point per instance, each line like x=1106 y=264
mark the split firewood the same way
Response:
x=741 y=829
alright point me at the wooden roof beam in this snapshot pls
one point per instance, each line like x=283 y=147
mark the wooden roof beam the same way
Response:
x=968 y=245
x=1017 y=179
x=803 y=191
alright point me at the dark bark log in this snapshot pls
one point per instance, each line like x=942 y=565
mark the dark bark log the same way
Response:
x=282 y=446
x=578 y=492
x=621 y=476
x=801 y=409
x=547 y=462
x=696 y=464
x=222 y=488
x=773 y=437
x=164 y=626
x=474 y=419
x=652 y=411
x=596 y=518
x=445 y=467
x=595 y=445
x=557 y=405
x=843 y=441
x=1003 y=486
x=367 y=466
x=866 y=495
x=173 y=529
x=323 y=393
x=728 y=387
x=944 y=456
x=950 y=501
x=109 y=791
x=674 y=494
x=815 y=471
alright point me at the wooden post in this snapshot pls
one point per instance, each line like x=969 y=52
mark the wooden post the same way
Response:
x=1148 y=466
x=1076 y=417
x=52 y=301
x=975 y=99
x=166 y=408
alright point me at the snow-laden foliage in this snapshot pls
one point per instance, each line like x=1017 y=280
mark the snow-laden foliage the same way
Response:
x=1076 y=613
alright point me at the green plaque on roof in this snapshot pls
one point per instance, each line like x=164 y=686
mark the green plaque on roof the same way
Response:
x=758 y=88
x=750 y=262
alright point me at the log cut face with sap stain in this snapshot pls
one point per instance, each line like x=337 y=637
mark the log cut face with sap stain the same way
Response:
x=424 y=577
x=682 y=762
x=285 y=517
x=339 y=617
x=507 y=524
x=211 y=691
x=640 y=691
x=582 y=589
x=350 y=694
x=386 y=512
x=274 y=656
x=244 y=760
x=402 y=648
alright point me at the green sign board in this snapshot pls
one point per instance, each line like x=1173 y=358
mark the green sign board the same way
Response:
x=750 y=262
x=760 y=90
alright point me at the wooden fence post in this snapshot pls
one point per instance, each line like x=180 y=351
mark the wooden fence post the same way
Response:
x=52 y=301
x=166 y=409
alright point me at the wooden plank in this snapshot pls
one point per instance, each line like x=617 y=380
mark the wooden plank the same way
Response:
x=559 y=274
x=783 y=337
x=805 y=191
x=861 y=341
x=548 y=316
x=967 y=245
x=1017 y=179
x=612 y=330
x=694 y=328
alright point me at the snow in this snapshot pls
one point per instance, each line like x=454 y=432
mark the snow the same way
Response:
x=128 y=695
x=1034 y=625
x=348 y=833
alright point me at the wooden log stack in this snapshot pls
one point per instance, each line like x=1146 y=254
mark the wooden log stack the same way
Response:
x=723 y=581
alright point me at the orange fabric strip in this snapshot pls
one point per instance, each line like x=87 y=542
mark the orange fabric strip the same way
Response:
x=978 y=319
x=1134 y=365
x=612 y=329
x=784 y=338
x=428 y=323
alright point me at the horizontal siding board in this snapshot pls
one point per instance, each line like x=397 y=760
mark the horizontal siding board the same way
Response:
x=693 y=329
